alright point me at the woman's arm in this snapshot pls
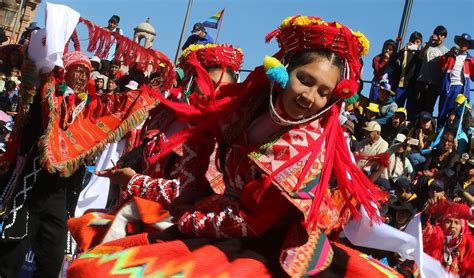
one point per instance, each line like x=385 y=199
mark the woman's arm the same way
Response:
x=238 y=217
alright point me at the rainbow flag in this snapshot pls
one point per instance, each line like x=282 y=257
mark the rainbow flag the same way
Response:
x=214 y=21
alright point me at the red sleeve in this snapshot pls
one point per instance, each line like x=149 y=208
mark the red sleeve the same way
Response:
x=238 y=217
x=163 y=191
x=378 y=64
x=471 y=69
x=443 y=62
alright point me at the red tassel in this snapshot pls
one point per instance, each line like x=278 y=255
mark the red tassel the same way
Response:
x=271 y=35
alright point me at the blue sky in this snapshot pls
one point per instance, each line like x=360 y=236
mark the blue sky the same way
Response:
x=246 y=22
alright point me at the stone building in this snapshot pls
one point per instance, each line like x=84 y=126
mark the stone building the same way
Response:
x=144 y=34
x=16 y=15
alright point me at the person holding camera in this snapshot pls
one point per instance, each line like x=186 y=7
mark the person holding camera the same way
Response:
x=428 y=84
x=406 y=68
x=458 y=68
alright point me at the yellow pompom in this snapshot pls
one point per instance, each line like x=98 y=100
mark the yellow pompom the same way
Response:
x=270 y=62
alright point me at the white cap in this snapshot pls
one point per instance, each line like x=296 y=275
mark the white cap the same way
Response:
x=132 y=85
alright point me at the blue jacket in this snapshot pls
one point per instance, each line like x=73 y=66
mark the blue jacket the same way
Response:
x=196 y=39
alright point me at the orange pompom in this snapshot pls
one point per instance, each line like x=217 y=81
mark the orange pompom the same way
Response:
x=346 y=88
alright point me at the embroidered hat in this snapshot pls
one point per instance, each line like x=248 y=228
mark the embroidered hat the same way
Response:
x=299 y=32
x=210 y=55
x=75 y=58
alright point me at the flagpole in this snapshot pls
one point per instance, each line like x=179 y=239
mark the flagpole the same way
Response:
x=190 y=3
x=219 y=24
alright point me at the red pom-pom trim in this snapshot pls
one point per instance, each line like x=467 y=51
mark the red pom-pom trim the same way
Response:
x=346 y=88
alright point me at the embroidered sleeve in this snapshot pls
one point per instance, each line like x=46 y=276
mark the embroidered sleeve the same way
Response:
x=160 y=190
x=237 y=217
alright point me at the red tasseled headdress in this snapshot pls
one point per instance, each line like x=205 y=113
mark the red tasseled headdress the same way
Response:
x=213 y=55
x=297 y=33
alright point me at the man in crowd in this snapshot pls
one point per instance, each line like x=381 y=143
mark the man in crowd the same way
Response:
x=199 y=35
x=369 y=148
x=428 y=85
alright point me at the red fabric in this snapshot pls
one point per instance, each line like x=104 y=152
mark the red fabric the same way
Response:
x=447 y=61
x=379 y=65
x=383 y=158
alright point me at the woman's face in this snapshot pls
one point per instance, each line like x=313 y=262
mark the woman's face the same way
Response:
x=309 y=88
x=111 y=86
x=426 y=124
x=452 y=227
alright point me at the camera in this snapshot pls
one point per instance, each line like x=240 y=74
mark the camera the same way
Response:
x=456 y=51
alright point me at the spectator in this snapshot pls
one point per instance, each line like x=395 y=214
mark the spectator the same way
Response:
x=369 y=148
x=25 y=36
x=386 y=103
x=402 y=212
x=428 y=85
x=371 y=113
x=113 y=86
x=399 y=165
x=424 y=133
x=112 y=26
x=379 y=64
x=96 y=66
x=443 y=157
x=199 y=35
x=9 y=98
x=114 y=71
x=99 y=84
x=349 y=128
x=405 y=192
x=397 y=124
x=465 y=191
x=406 y=66
x=458 y=68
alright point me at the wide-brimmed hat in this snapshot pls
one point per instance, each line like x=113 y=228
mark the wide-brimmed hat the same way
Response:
x=403 y=206
x=373 y=107
x=385 y=86
x=372 y=126
x=465 y=37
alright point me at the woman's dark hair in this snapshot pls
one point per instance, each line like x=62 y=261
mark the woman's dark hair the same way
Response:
x=228 y=70
x=415 y=36
x=390 y=43
x=440 y=30
x=117 y=83
x=307 y=56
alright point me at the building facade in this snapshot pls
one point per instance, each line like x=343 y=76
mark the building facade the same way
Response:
x=15 y=16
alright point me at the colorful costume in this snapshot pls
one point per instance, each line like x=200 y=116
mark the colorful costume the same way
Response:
x=455 y=254
x=56 y=129
x=277 y=190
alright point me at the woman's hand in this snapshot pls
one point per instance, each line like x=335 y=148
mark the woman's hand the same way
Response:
x=120 y=176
